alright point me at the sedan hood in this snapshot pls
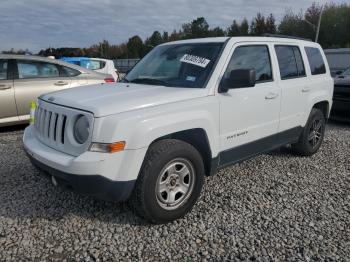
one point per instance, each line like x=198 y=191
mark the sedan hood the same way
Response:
x=342 y=81
x=108 y=99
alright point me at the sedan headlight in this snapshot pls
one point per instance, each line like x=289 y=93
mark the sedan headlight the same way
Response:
x=81 y=129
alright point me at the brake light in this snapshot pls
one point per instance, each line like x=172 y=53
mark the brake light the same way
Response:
x=109 y=80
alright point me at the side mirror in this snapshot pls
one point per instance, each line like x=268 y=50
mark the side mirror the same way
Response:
x=239 y=78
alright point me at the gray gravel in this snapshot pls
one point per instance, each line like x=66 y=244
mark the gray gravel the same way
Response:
x=274 y=207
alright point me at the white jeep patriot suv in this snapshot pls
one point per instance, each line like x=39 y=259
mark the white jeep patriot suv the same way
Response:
x=184 y=111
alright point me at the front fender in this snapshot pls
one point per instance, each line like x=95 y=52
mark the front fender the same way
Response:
x=139 y=128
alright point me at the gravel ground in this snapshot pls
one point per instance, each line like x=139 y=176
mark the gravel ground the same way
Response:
x=274 y=207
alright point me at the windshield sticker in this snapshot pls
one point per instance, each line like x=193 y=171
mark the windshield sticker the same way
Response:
x=195 y=60
x=191 y=78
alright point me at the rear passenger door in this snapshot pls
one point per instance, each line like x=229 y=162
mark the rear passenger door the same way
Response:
x=7 y=95
x=249 y=115
x=293 y=84
x=35 y=78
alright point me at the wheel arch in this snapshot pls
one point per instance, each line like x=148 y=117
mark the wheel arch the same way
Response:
x=198 y=138
x=324 y=107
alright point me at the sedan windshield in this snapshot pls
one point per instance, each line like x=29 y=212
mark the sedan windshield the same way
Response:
x=346 y=72
x=177 y=65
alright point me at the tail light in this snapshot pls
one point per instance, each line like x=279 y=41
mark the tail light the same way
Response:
x=109 y=80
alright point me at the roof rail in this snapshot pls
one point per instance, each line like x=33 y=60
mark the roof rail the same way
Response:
x=287 y=36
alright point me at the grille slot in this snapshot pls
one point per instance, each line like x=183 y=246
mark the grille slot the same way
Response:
x=63 y=128
x=50 y=126
x=55 y=127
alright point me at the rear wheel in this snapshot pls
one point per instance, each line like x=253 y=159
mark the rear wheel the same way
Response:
x=312 y=135
x=170 y=181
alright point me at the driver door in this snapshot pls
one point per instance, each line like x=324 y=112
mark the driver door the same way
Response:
x=249 y=117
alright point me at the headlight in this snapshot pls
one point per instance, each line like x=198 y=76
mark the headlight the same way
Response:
x=81 y=129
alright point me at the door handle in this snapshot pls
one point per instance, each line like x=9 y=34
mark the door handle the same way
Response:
x=61 y=83
x=5 y=87
x=306 y=89
x=271 y=96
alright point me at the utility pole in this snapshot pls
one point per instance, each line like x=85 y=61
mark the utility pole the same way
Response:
x=319 y=25
x=316 y=28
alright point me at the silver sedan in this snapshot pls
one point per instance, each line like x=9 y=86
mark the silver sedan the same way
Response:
x=24 y=78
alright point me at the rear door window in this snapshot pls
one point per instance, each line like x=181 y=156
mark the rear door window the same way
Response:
x=316 y=62
x=3 y=69
x=36 y=69
x=290 y=61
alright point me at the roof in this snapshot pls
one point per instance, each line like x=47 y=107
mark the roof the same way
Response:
x=74 y=58
x=82 y=58
x=337 y=51
x=45 y=59
x=283 y=39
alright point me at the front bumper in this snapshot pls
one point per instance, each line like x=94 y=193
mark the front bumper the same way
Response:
x=106 y=176
x=93 y=185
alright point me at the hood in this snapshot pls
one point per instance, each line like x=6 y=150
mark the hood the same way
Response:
x=108 y=99
x=342 y=80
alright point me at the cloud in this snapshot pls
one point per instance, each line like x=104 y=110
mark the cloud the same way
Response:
x=38 y=24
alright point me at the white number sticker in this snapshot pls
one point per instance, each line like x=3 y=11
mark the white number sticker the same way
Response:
x=195 y=60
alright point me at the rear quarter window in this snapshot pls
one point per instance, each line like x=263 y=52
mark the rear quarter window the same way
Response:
x=70 y=71
x=316 y=62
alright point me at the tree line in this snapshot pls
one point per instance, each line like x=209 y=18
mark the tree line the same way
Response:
x=333 y=32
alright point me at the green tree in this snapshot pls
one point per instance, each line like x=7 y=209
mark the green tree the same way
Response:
x=334 y=30
x=165 y=37
x=175 y=36
x=155 y=39
x=270 y=24
x=258 y=25
x=216 y=32
x=244 y=30
x=135 y=47
x=196 y=29
x=234 y=29
x=295 y=25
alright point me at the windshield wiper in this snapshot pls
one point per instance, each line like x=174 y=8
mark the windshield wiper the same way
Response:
x=150 y=81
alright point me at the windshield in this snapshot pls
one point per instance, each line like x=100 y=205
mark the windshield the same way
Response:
x=346 y=72
x=178 y=65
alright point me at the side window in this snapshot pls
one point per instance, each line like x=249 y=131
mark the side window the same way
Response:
x=316 y=62
x=252 y=57
x=70 y=71
x=290 y=61
x=35 y=69
x=93 y=64
x=3 y=69
x=299 y=60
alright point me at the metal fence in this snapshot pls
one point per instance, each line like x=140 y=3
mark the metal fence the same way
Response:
x=124 y=65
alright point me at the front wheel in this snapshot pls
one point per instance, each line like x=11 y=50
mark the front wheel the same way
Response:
x=170 y=181
x=312 y=136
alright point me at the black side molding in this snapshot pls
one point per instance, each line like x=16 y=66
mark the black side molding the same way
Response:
x=249 y=150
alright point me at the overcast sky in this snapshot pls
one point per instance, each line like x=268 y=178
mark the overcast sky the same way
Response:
x=38 y=24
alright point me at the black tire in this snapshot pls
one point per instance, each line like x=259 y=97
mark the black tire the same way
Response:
x=145 y=199
x=305 y=146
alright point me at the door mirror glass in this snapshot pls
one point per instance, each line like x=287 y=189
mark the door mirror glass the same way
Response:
x=239 y=78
